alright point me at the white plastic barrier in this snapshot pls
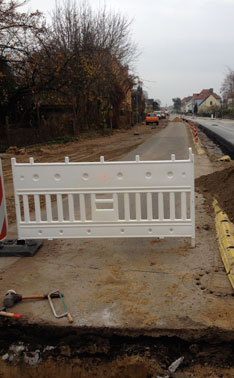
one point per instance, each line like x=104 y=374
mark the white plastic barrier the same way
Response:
x=105 y=199
x=3 y=213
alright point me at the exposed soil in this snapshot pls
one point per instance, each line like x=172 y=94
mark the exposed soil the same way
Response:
x=219 y=185
x=88 y=355
x=95 y=356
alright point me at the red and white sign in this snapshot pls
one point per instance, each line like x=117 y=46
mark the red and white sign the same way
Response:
x=3 y=214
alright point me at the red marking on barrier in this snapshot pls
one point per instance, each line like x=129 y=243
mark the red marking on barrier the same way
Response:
x=1 y=191
x=3 y=233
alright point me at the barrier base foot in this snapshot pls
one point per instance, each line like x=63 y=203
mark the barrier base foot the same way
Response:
x=19 y=248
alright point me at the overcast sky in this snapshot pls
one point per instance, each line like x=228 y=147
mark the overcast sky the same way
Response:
x=185 y=45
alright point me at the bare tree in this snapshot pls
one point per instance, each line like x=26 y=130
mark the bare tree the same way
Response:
x=96 y=47
x=21 y=34
x=80 y=60
x=228 y=83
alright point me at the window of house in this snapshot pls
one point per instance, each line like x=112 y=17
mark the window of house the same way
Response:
x=211 y=102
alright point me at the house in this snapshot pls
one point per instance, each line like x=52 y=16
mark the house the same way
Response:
x=188 y=107
x=182 y=106
x=185 y=108
x=203 y=98
x=199 y=97
x=209 y=104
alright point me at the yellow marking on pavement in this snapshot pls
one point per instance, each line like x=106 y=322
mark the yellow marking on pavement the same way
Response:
x=225 y=235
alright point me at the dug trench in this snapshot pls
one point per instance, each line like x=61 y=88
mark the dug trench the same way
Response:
x=30 y=350
x=52 y=352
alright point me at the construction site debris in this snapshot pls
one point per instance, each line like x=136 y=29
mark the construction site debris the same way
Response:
x=33 y=358
x=174 y=366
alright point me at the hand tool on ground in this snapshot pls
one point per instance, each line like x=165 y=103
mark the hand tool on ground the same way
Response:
x=67 y=313
x=11 y=297
x=10 y=314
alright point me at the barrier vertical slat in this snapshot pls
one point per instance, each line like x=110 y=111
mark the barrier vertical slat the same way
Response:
x=172 y=205
x=93 y=205
x=26 y=209
x=48 y=208
x=160 y=206
x=183 y=206
x=192 y=206
x=37 y=208
x=116 y=206
x=138 y=206
x=82 y=208
x=60 y=207
x=71 y=208
x=126 y=207
x=149 y=206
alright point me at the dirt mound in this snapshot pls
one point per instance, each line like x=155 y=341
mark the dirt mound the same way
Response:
x=219 y=185
x=176 y=119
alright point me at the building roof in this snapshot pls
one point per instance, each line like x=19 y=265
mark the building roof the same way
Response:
x=185 y=99
x=211 y=94
x=195 y=96
x=204 y=94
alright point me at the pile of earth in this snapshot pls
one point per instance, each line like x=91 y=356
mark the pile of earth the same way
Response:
x=219 y=185
x=176 y=119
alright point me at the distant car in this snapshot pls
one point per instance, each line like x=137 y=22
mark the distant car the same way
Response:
x=158 y=112
x=151 y=118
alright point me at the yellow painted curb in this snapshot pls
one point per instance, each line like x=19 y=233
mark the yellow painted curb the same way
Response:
x=199 y=149
x=225 y=235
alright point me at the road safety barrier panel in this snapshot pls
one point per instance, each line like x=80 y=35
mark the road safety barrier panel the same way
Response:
x=196 y=140
x=3 y=213
x=105 y=199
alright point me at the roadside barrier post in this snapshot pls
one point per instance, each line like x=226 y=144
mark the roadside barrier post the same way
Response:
x=3 y=213
x=12 y=247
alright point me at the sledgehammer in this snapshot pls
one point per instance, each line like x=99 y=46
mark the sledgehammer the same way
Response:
x=11 y=298
x=10 y=314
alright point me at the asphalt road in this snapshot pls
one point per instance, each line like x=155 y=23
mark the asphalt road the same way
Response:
x=221 y=131
x=172 y=140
